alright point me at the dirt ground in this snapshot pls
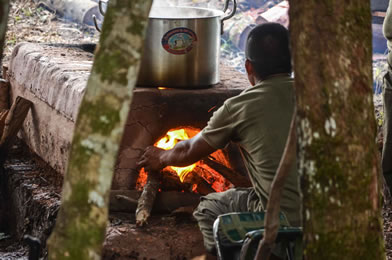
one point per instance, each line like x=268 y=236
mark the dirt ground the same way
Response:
x=35 y=24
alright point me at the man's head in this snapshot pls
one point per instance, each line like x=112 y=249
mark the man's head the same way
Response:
x=267 y=51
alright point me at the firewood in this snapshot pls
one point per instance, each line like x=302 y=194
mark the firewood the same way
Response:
x=3 y=116
x=165 y=202
x=203 y=187
x=146 y=200
x=13 y=123
x=128 y=199
x=4 y=94
x=237 y=179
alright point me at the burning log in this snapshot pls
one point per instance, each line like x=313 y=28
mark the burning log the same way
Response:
x=146 y=200
x=237 y=179
x=165 y=202
x=202 y=186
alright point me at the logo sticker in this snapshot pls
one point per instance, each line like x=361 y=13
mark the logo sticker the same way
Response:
x=179 y=40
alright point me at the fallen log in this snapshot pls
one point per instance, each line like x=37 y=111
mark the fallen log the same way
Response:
x=147 y=199
x=79 y=11
x=236 y=179
x=165 y=202
x=13 y=123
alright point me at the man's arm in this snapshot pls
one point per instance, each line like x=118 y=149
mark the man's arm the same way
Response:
x=183 y=153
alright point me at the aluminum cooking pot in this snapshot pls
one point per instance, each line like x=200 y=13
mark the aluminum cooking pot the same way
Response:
x=182 y=47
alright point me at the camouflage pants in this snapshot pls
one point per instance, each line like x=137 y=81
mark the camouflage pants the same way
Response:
x=215 y=204
x=387 y=129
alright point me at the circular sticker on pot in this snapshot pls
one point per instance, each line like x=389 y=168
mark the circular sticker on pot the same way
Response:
x=179 y=40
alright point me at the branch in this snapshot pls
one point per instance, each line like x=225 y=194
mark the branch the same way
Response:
x=273 y=205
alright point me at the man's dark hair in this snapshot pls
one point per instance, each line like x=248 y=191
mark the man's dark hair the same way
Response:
x=267 y=48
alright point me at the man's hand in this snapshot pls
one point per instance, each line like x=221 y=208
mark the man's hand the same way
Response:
x=151 y=159
x=183 y=154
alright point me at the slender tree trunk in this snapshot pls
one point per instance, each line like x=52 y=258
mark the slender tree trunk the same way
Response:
x=4 y=10
x=81 y=222
x=332 y=53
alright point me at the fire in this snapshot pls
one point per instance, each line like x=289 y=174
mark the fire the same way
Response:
x=168 y=142
x=187 y=175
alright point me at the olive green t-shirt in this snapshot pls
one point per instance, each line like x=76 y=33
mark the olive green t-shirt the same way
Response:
x=259 y=120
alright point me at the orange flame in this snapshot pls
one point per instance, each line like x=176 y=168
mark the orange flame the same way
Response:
x=168 y=142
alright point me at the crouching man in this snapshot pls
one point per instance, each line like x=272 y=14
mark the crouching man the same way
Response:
x=258 y=120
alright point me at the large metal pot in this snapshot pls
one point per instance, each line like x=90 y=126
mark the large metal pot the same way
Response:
x=182 y=47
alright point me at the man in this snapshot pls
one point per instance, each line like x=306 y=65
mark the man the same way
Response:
x=387 y=99
x=258 y=120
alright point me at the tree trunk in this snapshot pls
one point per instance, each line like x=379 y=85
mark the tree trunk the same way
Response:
x=81 y=222
x=332 y=53
x=4 y=10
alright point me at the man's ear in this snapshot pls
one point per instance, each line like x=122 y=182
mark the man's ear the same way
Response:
x=250 y=72
x=248 y=67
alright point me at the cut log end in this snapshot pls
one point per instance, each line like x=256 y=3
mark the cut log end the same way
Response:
x=142 y=217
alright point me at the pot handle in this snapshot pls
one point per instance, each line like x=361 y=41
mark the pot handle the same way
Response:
x=227 y=17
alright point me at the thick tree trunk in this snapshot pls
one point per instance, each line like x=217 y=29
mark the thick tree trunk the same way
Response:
x=4 y=10
x=81 y=222
x=332 y=53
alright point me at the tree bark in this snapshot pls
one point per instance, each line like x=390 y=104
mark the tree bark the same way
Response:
x=332 y=54
x=81 y=222
x=4 y=10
